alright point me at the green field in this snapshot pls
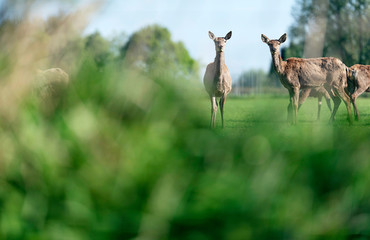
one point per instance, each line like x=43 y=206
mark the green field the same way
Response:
x=248 y=112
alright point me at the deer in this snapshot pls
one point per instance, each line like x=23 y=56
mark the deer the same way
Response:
x=358 y=77
x=51 y=82
x=319 y=92
x=49 y=86
x=217 y=80
x=297 y=74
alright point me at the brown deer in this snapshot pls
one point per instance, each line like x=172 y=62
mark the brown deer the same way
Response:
x=315 y=92
x=51 y=82
x=358 y=82
x=217 y=79
x=301 y=73
x=50 y=86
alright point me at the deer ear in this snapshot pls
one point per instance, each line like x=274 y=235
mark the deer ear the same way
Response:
x=264 y=38
x=228 y=35
x=211 y=35
x=282 y=38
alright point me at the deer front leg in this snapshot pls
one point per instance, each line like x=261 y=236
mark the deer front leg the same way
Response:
x=290 y=114
x=337 y=102
x=327 y=97
x=295 y=101
x=347 y=101
x=303 y=96
x=328 y=102
x=222 y=105
x=213 y=112
x=293 y=105
x=290 y=107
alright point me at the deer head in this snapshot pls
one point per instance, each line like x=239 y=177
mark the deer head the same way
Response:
x=220 y=42
x=273 y=44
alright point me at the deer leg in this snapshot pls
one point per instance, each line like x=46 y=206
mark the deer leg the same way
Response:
x=328 y=102
x=337 y=102
x=213 y=111
x=293 y=105
x=351 y=87
x=357 y=115
x=303 y=96
x=210 y=123
x=319 y=101
x=347 y=100
x=295 y=101
x=354 y=96
x=222 y=105
x=289 y=108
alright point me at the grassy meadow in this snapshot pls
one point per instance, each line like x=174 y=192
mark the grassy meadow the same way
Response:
x=253 y=111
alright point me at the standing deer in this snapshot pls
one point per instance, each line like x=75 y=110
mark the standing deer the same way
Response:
x=358 y=82
x=303 y=73
x=217 y=79
x=315 y=92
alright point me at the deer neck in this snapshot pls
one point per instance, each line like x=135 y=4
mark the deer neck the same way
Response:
x=278 y=62
x=220 y=62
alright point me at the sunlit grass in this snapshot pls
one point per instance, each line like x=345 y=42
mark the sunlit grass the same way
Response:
x=248 y=112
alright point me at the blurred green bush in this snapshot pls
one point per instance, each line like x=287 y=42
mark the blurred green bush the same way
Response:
x=127 y=154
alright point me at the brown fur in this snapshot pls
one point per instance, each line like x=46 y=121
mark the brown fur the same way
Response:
x=358 y=82
x=302 y=73
x=217 y=79
x=51 y=82
x=50 y=85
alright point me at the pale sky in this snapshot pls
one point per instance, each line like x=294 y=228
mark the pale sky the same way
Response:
x=190 y=20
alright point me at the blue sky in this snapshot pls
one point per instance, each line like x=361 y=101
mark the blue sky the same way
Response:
x=190 y=20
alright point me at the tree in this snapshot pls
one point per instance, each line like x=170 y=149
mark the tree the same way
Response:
x=152 y=51
x=251 y=81
x=99 y=48
x=337 y=28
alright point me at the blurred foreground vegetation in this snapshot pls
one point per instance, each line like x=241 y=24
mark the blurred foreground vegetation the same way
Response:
x=127 y=153
x=123 y=162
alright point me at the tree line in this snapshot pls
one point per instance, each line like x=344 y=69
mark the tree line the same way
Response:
x=324 y=28
x=150 y=50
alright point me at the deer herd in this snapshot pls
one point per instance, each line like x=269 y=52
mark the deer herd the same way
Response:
x=321 y=77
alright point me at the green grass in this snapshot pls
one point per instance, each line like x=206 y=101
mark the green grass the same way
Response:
x=248 y=112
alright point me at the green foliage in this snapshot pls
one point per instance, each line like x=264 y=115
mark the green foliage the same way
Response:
x=99 y=48
x=252 y=81
x=253 y=77
x=152 y=51
x=121 y=159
